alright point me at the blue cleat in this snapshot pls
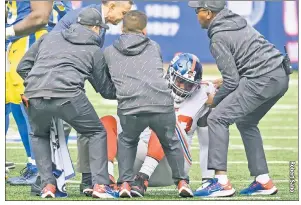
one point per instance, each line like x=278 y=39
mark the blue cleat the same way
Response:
x=212 y=188
x=256 y=188
x=28 y=176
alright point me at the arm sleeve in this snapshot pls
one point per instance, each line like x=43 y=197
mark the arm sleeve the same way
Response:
x=226 y=65
x=29 y=58
x=101 y=79
x=68 y=19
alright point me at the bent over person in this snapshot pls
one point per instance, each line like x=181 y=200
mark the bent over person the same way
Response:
x=54 y=71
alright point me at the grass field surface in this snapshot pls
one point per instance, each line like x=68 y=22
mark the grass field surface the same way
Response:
x=279 y=129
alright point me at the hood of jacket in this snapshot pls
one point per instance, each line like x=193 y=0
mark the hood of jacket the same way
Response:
x=131 y=44
x=226 y=20
x=78 y=34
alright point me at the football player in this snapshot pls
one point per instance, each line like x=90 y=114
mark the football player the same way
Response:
x=26 y=22
x=190 y=94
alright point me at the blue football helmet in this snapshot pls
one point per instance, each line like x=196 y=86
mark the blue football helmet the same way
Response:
x=184 y=75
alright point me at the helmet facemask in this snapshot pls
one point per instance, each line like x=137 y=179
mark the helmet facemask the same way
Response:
x=182 y=87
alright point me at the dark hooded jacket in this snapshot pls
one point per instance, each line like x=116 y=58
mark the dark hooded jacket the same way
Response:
x=136 y=67
x=58 y=64
x=239 y=51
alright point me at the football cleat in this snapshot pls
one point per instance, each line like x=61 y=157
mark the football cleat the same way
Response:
x=212 y=188
x=256 y=188
x=184 y=189
x=125 y=190
x=28 y=176
x=140 y=185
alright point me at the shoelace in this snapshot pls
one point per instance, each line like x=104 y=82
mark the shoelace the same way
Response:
x=25 y=171
x=253 y=185
x=29 y=174
x=212 y=184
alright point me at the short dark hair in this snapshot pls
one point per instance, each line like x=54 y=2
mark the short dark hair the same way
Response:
x=134 y=21
x=131 y=2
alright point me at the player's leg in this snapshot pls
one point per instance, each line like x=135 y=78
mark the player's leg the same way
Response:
x=164 y=125
x=8 y=165
x=154 y=155
x=203 y=138
x=22 y=128
x=30 y=175
x=7 y=112
x=15 y=88
x=110 y=124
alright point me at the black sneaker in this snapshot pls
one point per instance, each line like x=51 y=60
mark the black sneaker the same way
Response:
x=140 y=185
x=36 y=187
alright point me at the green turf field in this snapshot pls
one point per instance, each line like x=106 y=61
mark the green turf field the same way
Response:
x=279 y=129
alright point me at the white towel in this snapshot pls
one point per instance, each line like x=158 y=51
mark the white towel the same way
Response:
x=61 y=161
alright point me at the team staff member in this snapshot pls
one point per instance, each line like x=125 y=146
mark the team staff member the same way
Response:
x=56 y=88
x=112 y=12
x=144 y=100
x=254 y=79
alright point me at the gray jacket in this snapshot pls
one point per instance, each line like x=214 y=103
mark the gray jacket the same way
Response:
x=58 y=64
x=239 y=51
x=136 y=68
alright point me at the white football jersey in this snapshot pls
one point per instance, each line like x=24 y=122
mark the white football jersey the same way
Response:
x=188 y=113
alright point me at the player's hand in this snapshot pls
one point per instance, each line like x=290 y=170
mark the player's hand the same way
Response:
x=210 y=99
x=218 y=82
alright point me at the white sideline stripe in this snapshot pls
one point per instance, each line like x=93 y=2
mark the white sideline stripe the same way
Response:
x=286 y=112
x=266 y=148
x=285 y=107
x=275 y=127
x=278 y=119
x=264 y=138
x=196 y=162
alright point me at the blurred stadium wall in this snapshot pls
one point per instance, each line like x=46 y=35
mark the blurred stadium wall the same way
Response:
x=175 y=27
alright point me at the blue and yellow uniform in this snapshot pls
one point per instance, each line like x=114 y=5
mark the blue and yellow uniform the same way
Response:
x=17 y=46
x=60 y=8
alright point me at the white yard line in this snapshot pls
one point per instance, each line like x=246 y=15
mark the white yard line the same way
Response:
x=284 y=107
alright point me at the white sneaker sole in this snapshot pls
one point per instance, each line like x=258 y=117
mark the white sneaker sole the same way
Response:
x=271 y=191
x=101 y=195
x=185 y=192
x=125 y=194
x=48 y=195
x=226 y=193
